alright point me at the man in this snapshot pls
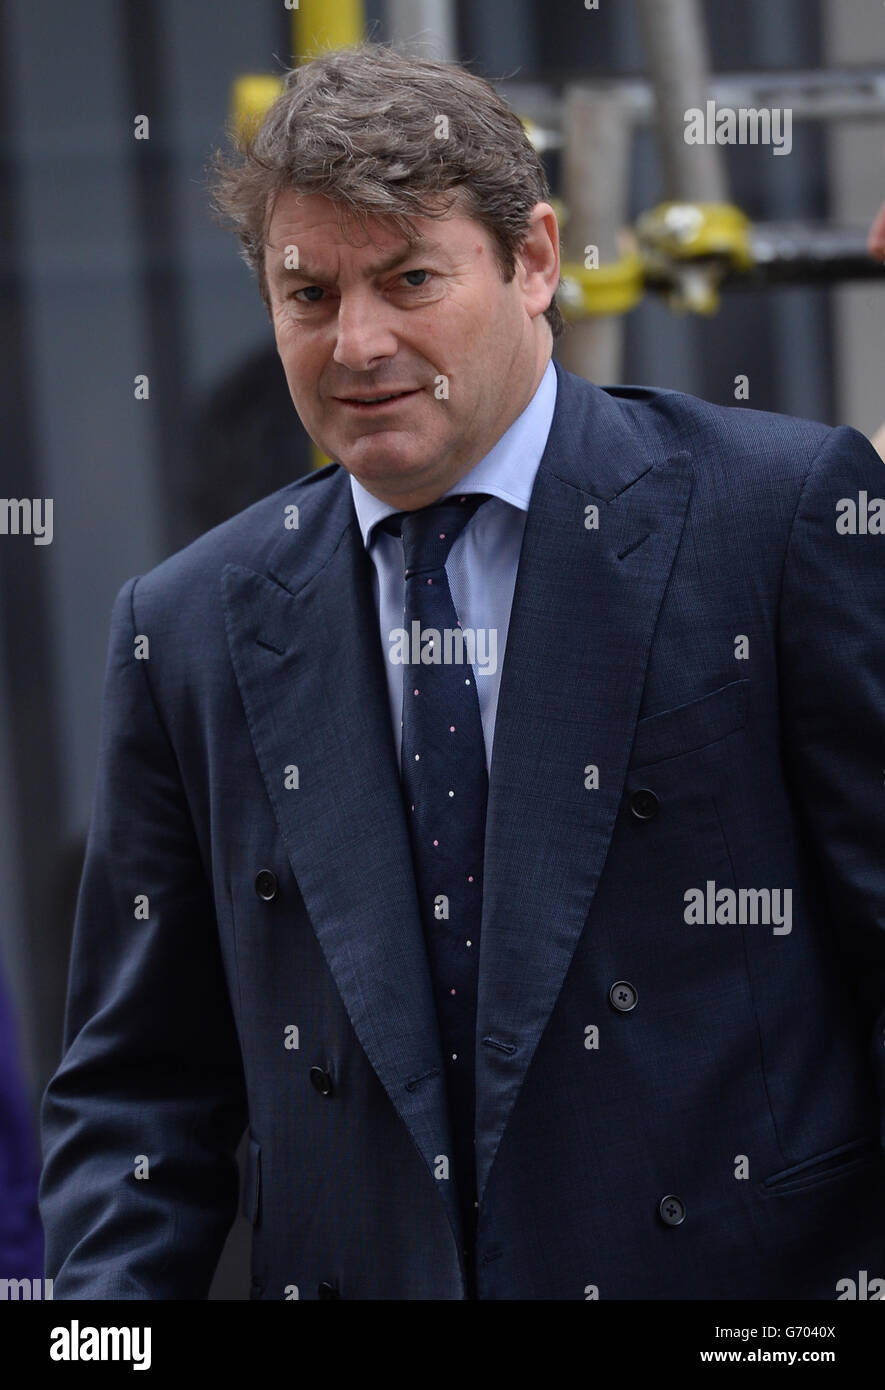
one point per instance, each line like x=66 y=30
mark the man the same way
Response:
x=550 y=965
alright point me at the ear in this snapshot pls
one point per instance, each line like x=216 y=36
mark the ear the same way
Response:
x=537 y=262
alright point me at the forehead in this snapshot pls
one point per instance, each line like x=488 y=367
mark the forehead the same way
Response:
x=312 y=221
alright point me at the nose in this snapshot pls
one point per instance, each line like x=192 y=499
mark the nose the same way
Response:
x=364 y=334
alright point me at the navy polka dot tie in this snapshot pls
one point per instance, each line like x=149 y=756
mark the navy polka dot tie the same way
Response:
x=445 y=785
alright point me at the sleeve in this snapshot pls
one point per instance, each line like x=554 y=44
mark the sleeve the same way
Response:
x=142 y=1118
x=832 y=691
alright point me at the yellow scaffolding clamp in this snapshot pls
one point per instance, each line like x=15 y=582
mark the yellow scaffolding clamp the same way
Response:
x=590 y=288
x=606 y=289
x=691 y=247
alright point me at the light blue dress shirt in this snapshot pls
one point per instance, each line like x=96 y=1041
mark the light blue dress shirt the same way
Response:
x=482 y=563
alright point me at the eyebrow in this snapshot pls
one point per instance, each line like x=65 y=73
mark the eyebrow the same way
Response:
x=423 y=246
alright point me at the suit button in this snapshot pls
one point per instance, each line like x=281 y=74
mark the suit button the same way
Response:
x=644 y=804
x=321 y=1080
x=672 y=1210
x=266 y=884
x=623 y=996
x=327 y=1290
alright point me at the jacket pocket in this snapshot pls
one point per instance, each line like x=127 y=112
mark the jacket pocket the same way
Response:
x=690 y=726
x=825 y=1167
x=252 y=1183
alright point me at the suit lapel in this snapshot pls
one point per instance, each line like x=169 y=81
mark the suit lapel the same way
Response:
x=307 y=657
x=584 y=611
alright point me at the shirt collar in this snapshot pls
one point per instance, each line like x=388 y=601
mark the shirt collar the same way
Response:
x=507 y=470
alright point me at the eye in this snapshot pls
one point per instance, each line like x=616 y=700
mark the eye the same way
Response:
x=315 y=298
x=303 y=290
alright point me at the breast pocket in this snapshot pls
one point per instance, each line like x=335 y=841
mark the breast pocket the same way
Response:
x=690 y=726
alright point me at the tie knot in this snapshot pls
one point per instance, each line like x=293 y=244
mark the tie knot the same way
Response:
x=429 y=533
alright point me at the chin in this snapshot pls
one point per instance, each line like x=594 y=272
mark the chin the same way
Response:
x=381 y=459
x=386 y=470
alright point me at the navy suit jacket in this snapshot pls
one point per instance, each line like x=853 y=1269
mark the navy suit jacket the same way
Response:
x=693 y=693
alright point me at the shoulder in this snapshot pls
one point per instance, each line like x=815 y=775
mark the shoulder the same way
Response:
x=732 y=450
x=749 y=468
x=189 y=579
x=746 y=440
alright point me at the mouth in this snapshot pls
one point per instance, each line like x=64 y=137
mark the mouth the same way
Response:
x=376 y=404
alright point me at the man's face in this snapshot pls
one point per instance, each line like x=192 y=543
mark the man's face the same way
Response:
x=436 y=322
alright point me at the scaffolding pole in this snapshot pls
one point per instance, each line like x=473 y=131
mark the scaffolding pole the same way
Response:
x=424 y=28
x=597 y=141
x=675 y=43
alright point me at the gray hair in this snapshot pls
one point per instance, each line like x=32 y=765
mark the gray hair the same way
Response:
x=360 y=125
